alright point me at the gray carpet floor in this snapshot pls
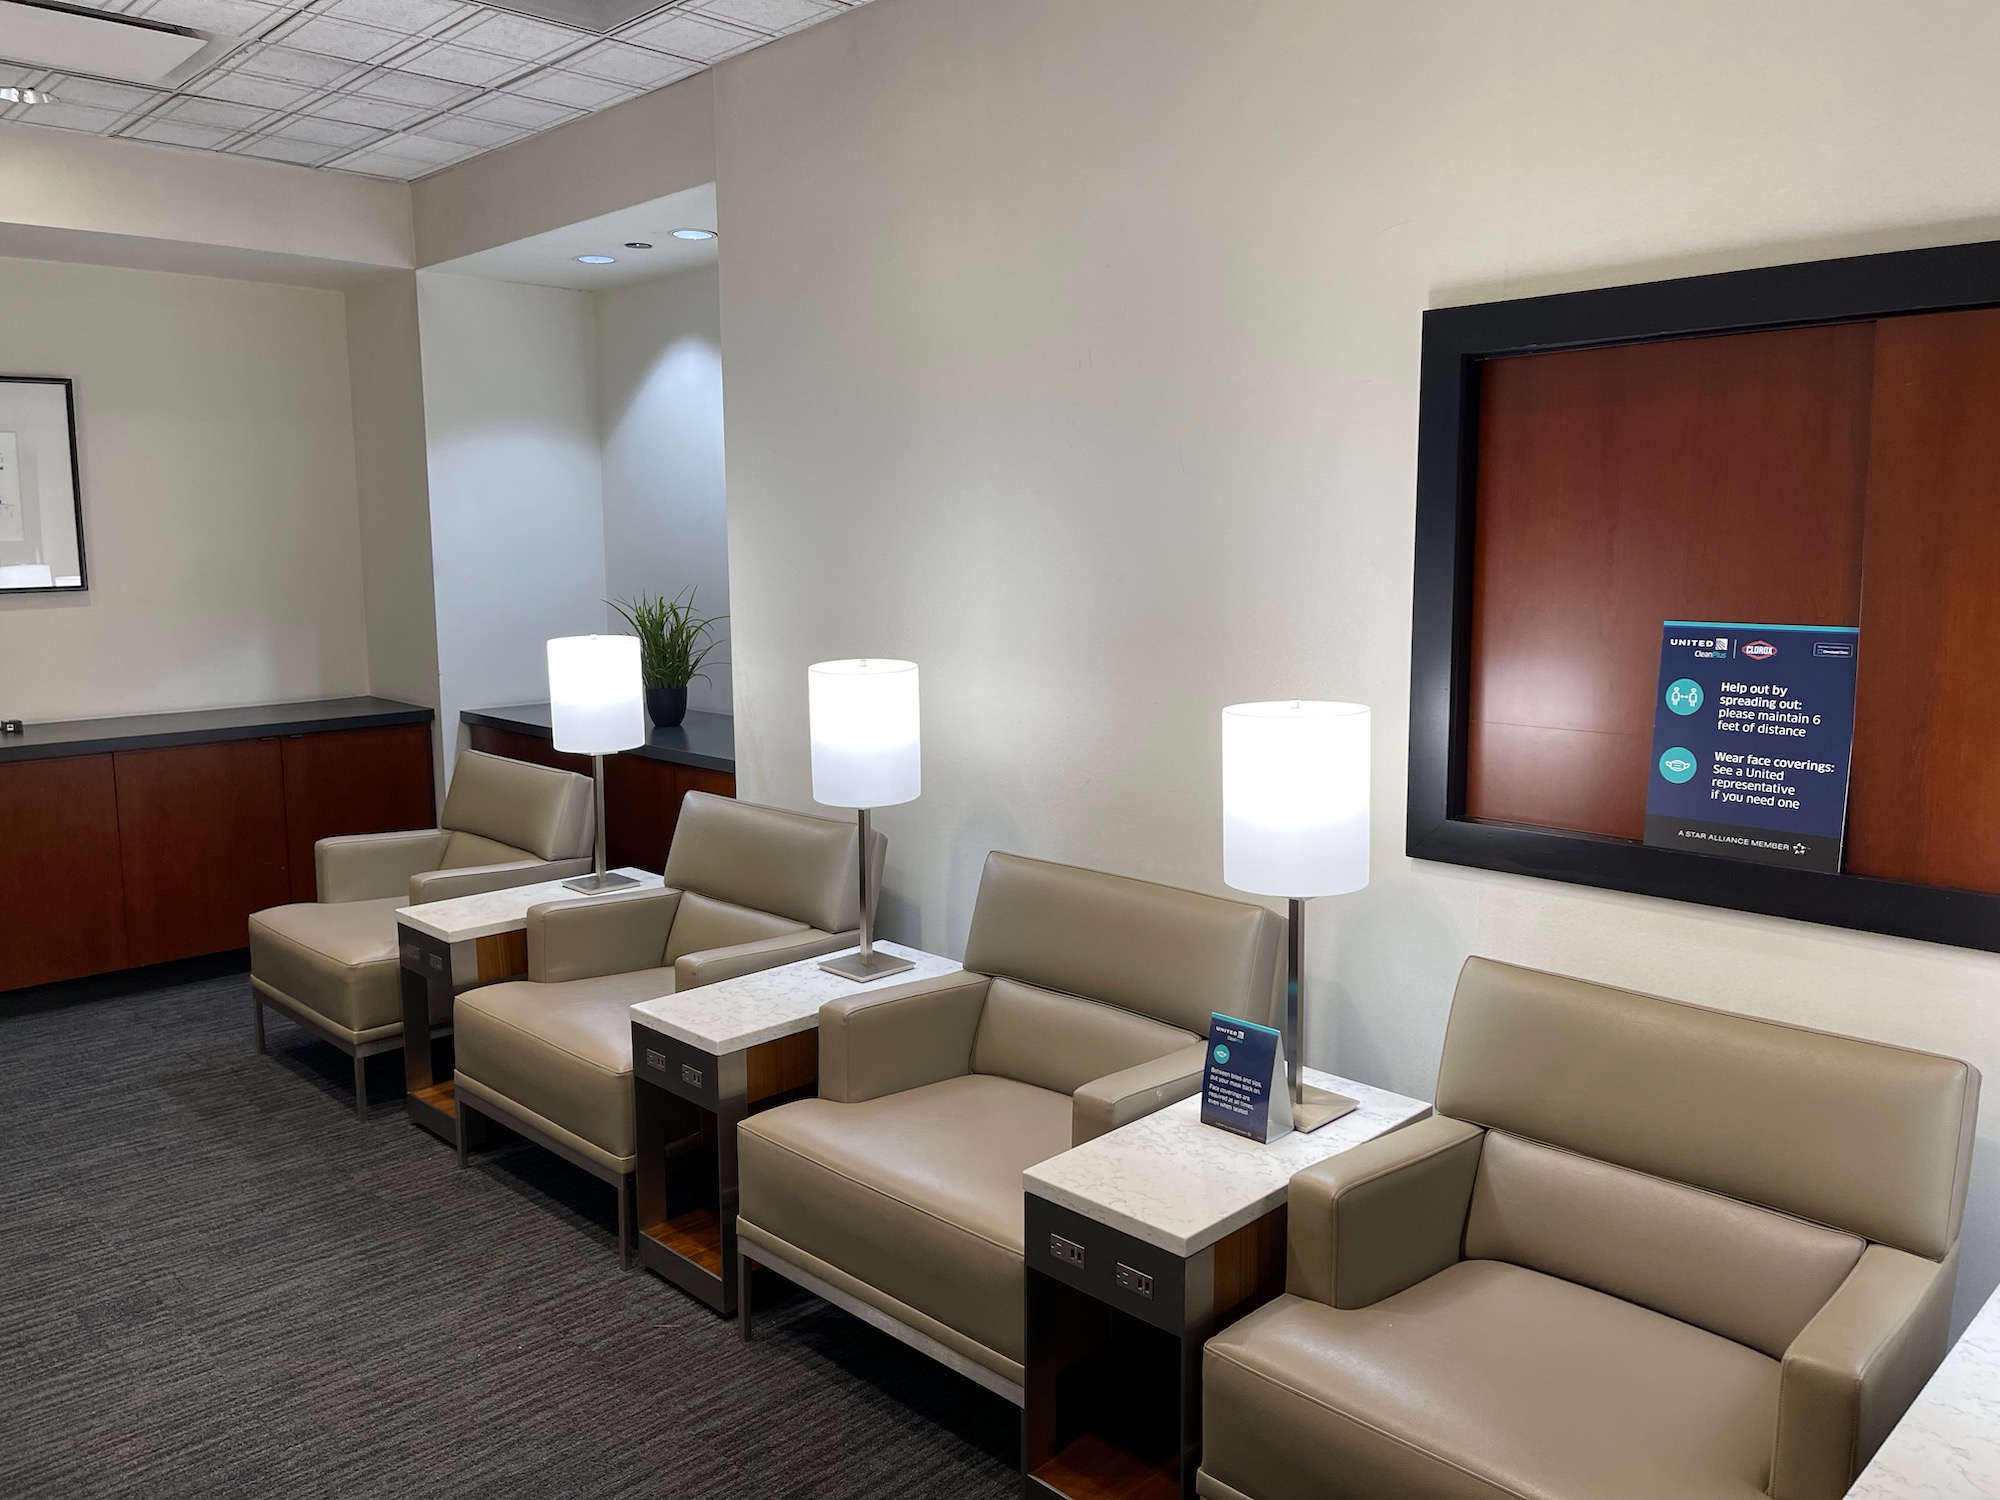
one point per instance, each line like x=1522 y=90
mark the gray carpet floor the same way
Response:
x=214 y=1282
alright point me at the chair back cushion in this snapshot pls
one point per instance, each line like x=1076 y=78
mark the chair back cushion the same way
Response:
x=464 y=850
x=1061 y=1043
x=537 y=808
x=1871 y=1139
x=1737 y=1270
x=1174 y=955
x=702 y=924
x=768 y=859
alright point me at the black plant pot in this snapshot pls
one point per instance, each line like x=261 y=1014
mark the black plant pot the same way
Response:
x=666 y=706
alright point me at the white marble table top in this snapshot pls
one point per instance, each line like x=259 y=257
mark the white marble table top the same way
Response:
x=1174 y=1182
x=463 y=918
x=1947 y=1447
x=755 y=1008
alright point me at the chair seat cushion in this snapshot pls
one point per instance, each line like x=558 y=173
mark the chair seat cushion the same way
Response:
x=561 y=1051
x=338 y=959
x=917 y=1194
x=1488 y=1381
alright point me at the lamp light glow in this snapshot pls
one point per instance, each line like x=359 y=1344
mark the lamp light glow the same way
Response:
x=866 y=734
x=597 y=704
x=1295 y=798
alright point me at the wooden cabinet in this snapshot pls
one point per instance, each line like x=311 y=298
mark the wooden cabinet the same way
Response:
x=122 y=857
x=202 y=836
x=642 y=795
x=356 y=781
x=62 y=894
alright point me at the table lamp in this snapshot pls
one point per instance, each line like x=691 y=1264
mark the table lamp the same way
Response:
x=1295 y=824
x=865 y=754
x=597 y=707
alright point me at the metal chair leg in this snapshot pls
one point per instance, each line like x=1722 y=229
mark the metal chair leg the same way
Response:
x=625 y=1247
x=463 y=1125
x=257 y=1010
x=744 y=1266
x=360 y=1087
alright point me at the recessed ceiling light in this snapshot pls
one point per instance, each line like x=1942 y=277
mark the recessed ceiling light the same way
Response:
x=598 y=260
x=637 y=245
x=694 y=234
x=27 y=96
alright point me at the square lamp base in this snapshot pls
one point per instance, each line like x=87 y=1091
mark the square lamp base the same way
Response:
x=859 y=969
x=1316 y=1107
x=594 y=885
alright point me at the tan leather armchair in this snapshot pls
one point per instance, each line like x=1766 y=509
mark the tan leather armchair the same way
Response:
x=550 y=1057
x=332 y=966
x=1644 y=1250
x=897 y=1192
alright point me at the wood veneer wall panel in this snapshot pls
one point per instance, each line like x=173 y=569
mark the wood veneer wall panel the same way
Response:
x=1924 y=798
x=202 y=836
x=353 y=781
x=62 y=893
x=1714 y=478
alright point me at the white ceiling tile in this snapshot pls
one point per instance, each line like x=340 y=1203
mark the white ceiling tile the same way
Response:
x=15 y=77
x=458 y=64
x=323 y=132
x=690 y=36
x=767 y=15
x=557 y=87
x=247 y=88
x=179 y=133
x=96 y=94
x=226 y=17
x=277 y=148
x=517 y=36
x=416 y=17
x=348 y=39
x=407 y=88
x=506 y=109
x=67 y=116
x=383 y=114
x=424 y=149
x=465 y=131
x=215 y=112
x=293 y=66
x=627 y=64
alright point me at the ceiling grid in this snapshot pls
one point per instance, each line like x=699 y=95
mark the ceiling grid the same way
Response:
x=399 y=88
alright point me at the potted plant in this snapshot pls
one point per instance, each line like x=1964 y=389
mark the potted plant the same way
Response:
x=673 y=643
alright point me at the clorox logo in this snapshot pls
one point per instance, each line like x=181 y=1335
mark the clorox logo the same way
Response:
x=1760 y=650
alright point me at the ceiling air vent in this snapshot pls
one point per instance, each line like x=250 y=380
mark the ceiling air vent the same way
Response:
x=68 y=39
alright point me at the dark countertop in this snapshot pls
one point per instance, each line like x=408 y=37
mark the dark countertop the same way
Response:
x=206 y=726
x=705 y=740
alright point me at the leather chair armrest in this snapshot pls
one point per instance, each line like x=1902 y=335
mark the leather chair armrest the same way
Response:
x=899 y=1038
x=474 y=880
x=711 y=965
x=1103 y=1104
x=372 y=866
x=1384 y=1216
x=1855 y=1368
x=595 y=935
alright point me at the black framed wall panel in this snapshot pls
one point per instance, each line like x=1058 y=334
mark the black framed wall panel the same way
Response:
x=1592 y=463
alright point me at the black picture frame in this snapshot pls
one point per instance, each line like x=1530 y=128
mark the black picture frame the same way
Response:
x=82 y=585
x=1456 y=342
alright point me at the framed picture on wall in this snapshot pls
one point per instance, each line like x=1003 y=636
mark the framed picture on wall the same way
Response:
x=41 y=504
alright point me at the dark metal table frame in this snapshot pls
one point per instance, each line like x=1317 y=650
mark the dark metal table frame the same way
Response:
x=434 y=970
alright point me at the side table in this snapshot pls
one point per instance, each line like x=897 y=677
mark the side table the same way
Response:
x=1140 y=1245
x=447 y=948
x=701 y=1061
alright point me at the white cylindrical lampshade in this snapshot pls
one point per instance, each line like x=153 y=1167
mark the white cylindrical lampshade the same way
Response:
x=597 y=702
x=1295 y=798
x=865 y=733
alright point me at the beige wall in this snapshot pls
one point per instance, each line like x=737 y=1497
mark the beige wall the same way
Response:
x=218 y=494
x=1073 y=351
